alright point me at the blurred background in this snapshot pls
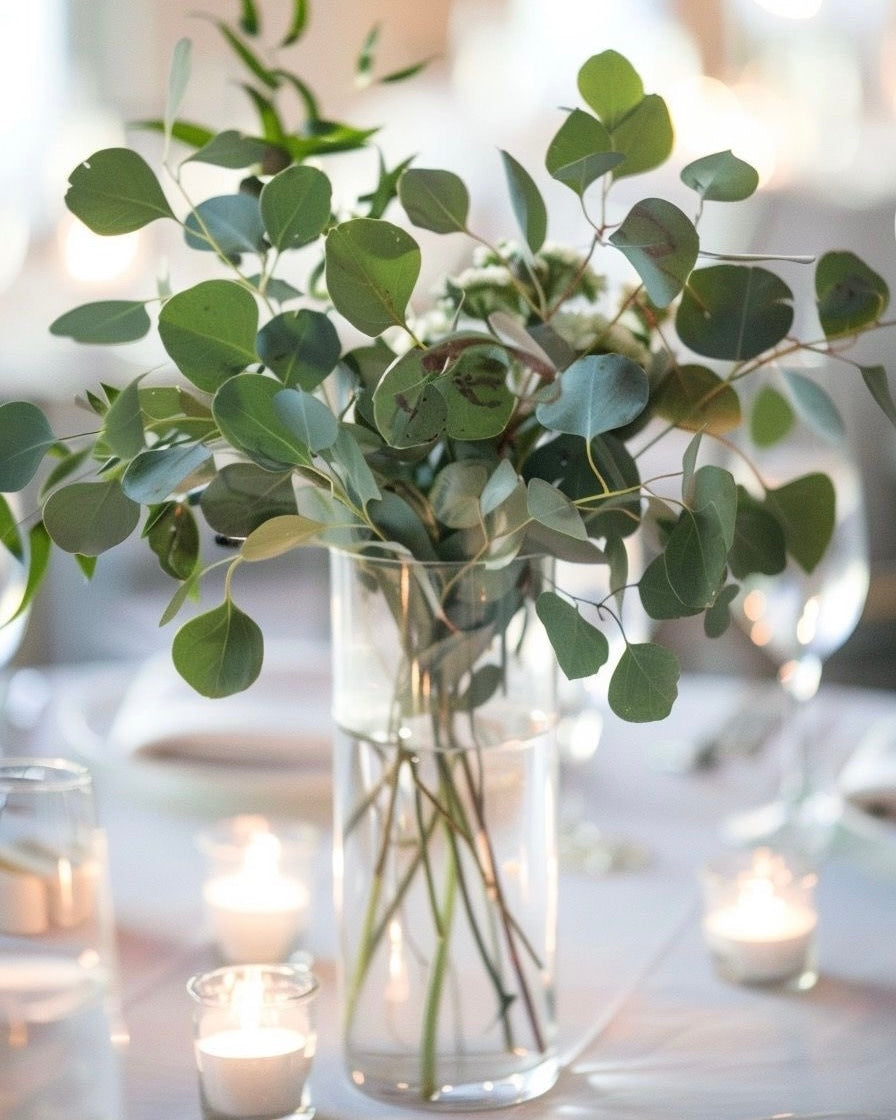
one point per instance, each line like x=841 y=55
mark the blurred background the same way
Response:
x=803 y=89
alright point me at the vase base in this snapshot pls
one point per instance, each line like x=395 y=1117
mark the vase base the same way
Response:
x=468 y=1092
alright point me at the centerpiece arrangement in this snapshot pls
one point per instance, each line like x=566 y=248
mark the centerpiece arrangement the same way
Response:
x=446 y=448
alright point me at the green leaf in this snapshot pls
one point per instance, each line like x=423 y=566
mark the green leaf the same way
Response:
x=408 y=409
x=160 y=472
x=247 y=56
x=598 y=393
x=25 y=438
x=550 y=507
x=849 y=295
x=581 y=649
x=242 y=496
x=372 y=267
x=309 y=419
x=759 y=545
x=805 y=508
x=278 y=535
x=644 y=684
x=875 y=377
x=90 y=517
x=771 y=417
x=248 y=418
x=696 y=399
x=209 y=331
x=229 y=224
x=301 y=347
x=611 y=86
x=661 y=243
x=455 y=493
x=348 y=463
x=718 y=617
x=295 y=206
x=178 y=79
x=39 y=552
x=174 y=538
x=721 y=177
x=501 y=484
x=581 y=152
x=249 y=21
x=220 y=652
x=435 y=200
x=9 y=531
x=116 y=191
x=297 y=24
x=734 y=312
x=477 y=400
x=815 y=406
x=231 y=149
x=644 y=137
x=105 y=322
x=528 y=205
x=123 y=426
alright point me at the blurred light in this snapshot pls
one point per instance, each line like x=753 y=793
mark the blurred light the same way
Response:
x=93 y=259
x=791 y=9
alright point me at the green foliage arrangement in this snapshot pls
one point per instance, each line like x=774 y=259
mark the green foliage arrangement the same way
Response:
x=506 y=416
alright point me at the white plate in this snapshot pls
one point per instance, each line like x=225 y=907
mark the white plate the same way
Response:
x=267 y=749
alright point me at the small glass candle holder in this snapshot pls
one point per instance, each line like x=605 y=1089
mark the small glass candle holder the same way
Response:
x=255 y=1040
x=257 y=891
x=759 y=918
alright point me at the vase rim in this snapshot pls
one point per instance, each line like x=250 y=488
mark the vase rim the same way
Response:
x=399 y=560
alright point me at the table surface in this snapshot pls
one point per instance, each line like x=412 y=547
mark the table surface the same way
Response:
x=647 y=1029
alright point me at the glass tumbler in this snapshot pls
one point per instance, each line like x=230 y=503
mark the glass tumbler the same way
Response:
x=59 y=1008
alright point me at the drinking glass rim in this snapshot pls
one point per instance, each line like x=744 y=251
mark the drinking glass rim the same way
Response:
x=50 y=775
x=208 y=989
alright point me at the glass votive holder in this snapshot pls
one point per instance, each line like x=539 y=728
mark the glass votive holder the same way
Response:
x=759 y=918
x=257 y=889
x=254 y=1041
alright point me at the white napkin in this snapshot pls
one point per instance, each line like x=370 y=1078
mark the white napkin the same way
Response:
x=282 y=720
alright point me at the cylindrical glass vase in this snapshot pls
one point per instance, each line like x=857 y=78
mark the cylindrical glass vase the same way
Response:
x=445 y=829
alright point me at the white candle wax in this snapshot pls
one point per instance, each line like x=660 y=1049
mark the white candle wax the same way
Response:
x=256 y=920
x=761 y=937
x=253 y=1071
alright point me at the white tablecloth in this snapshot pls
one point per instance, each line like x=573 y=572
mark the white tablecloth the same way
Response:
x=647 y=1029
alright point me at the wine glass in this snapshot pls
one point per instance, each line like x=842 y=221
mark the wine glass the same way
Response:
x=799 y=619
x=583 y=845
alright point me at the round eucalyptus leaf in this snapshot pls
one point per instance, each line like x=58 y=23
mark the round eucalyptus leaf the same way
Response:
x=610 y=86
x=248 y=418
x=815 y=405
x=771 y=417
x=875 y=378
x=661 y=244
x=407 y=408
x=25 y=438
x=644 y=684
x=758 y=540
x=580 y=647
x=308 y=418
x=456 y=492
x=477 y=400
x=123 y=423
x=849 y=295
x=696 y=399
x=295 y=206
x=551 y=507
x=721 y=177
x=805 y=508
x=734 y=312
x=242 y=496
x=371 y=269
x=229 y=224
x=278 y=535
x=528 y=204
x=644 y=136
x=158 y=473
x=301 y=347
x=174 y=538
x=107 y=321
x=90 y=517
x=598 y=393
x=116 y=191
x=435 y=200
x=209 y=331
x=220 y=652
x=581 y=152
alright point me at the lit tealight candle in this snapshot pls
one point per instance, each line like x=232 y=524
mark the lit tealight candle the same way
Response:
x=257 y=909
x=759 y=920
x=255 y=1041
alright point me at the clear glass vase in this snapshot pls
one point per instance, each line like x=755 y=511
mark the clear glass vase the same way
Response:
x=445 y=829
